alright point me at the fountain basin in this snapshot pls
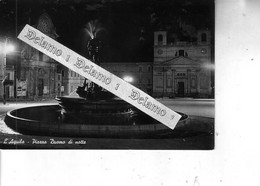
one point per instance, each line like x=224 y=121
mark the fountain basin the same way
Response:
x=47 y=121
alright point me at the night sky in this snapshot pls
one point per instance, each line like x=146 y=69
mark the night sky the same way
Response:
x=126 y=26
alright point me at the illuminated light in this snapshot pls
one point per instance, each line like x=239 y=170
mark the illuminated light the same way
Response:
x=209 y=66
x=9 y=48
x=128 y=79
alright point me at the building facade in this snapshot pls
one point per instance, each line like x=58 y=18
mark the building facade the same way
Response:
x=8 y=59
x=38 y=73
x=40 y=76
x=139 y=74
x=179 y=69
x=7 y=77
x=183 y=68
x=70 y=81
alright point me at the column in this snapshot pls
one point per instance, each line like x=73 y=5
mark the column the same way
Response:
x=189 y=81
x=31 y=82
x=54 y=77
x=35 y=88
x=164 y=81
x=198 y=81
x=2 y=72
x=173 y=82
x=50 y=79
x=28 y=81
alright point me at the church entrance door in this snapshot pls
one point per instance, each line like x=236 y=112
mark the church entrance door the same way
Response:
x=180 y=88
x=40 y=87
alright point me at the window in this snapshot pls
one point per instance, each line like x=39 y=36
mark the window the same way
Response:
x=203 y=37
x=149 y=69
x=160 y=38
x=181 y=74
x=140 y=69
x=62 y=73
x=40 y=56
x=181 y=52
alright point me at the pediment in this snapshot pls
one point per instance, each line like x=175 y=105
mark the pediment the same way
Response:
x=181 y=61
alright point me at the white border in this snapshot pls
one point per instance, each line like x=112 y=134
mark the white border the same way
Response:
x=236 y=158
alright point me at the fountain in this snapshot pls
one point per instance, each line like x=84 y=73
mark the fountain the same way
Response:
x=80 y=117
x=95 y=112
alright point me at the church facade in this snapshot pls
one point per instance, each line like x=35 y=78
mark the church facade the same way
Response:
x=183 y=68
x=40 y=76
x=179 y=69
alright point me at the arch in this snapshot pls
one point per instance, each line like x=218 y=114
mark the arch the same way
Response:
x=41 y=72
x=149 y=68
x=160 y=38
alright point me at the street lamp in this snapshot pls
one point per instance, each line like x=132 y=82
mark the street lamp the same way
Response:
x=4 y=49
x=128 y=79
x=9 y=48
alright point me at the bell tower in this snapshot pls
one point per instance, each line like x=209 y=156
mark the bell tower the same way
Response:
x=204 y=37
x=160 y=38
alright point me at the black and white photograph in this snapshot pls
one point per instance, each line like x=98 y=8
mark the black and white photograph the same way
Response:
x=129 y=92
x=157 y=90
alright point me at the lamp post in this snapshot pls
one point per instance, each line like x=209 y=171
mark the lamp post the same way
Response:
x=4 y=49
